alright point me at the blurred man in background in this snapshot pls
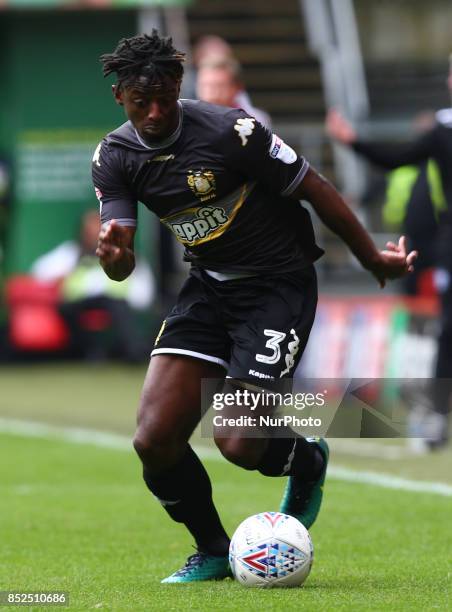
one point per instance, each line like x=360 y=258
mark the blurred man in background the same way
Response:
x=435 y=144
x=413 y=198
x=219 y=81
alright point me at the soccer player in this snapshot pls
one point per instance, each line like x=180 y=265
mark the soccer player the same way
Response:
x=229 y=190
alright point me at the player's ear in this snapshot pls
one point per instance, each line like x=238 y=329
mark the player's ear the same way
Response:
x=117 y=94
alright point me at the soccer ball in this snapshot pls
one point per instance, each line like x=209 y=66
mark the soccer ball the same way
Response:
x=271 y=549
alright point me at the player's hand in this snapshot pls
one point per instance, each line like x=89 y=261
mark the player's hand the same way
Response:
x=394 y=262
x=338 y=128
x=112 y=242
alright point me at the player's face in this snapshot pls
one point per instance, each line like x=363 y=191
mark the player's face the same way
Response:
x=154 y=111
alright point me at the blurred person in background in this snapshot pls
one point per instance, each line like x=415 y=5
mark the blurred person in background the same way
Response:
x=205 y=47
x=209 y=46
x=219 y=77
x=90 y=300
x=230 y=192
x=435 y=144
x=413 y=196
x=413 y=199
x=219 y=81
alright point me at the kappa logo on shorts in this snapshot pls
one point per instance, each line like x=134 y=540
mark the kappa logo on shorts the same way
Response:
x=293 y=348
x=260 y=374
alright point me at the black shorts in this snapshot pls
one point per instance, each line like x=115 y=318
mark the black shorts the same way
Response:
x=254 y=327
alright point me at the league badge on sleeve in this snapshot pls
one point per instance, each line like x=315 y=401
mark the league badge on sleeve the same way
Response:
x=280 y=150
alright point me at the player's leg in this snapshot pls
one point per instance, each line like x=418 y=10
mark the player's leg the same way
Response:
x=304 y=460
x=170 y=410
x=191 y=345
x=267 y=347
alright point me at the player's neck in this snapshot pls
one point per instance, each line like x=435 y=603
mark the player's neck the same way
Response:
x=165 y=139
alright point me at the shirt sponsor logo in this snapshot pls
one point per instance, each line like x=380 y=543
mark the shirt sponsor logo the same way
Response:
x=209 y=219
x=244 y=127
x=280 y=150
x=202 y=183
x=198 y=224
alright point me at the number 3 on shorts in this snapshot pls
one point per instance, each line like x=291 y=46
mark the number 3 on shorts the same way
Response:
x=273 y=343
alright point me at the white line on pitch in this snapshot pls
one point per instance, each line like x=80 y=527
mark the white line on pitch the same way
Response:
x=33 y=429
x=119 y=442
x=368 y=448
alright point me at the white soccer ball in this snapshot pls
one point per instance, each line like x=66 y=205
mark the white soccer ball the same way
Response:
x=271 y=549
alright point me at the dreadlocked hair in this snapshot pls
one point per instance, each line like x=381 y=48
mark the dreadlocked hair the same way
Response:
x=152 y=57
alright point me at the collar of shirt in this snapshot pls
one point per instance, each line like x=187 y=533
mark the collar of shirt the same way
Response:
x=167 y=141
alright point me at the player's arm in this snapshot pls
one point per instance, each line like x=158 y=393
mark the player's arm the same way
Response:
x=265 y=157
x=118 y=213
x=382 y=155
x=339 y=218
x=115 y=250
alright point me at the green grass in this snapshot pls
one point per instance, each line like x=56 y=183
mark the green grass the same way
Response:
x=106 y=397
x=77 y=518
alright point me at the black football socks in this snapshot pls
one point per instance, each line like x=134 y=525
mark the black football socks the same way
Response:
x=185 y=492
x=291 y=456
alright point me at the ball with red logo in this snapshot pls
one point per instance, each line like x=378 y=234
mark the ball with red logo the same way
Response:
x=271 y=549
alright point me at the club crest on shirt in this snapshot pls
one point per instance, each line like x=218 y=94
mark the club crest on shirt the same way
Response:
x=202 y=183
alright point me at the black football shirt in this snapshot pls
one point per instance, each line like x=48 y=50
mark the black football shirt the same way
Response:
x=221 y=183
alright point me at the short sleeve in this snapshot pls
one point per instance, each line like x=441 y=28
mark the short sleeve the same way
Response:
x=254 y=151
x=115 y=198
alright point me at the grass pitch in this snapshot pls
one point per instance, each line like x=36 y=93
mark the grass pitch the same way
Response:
x=78 y=518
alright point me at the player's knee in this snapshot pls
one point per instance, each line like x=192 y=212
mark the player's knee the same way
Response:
x=156 y=449
x=238 y=451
